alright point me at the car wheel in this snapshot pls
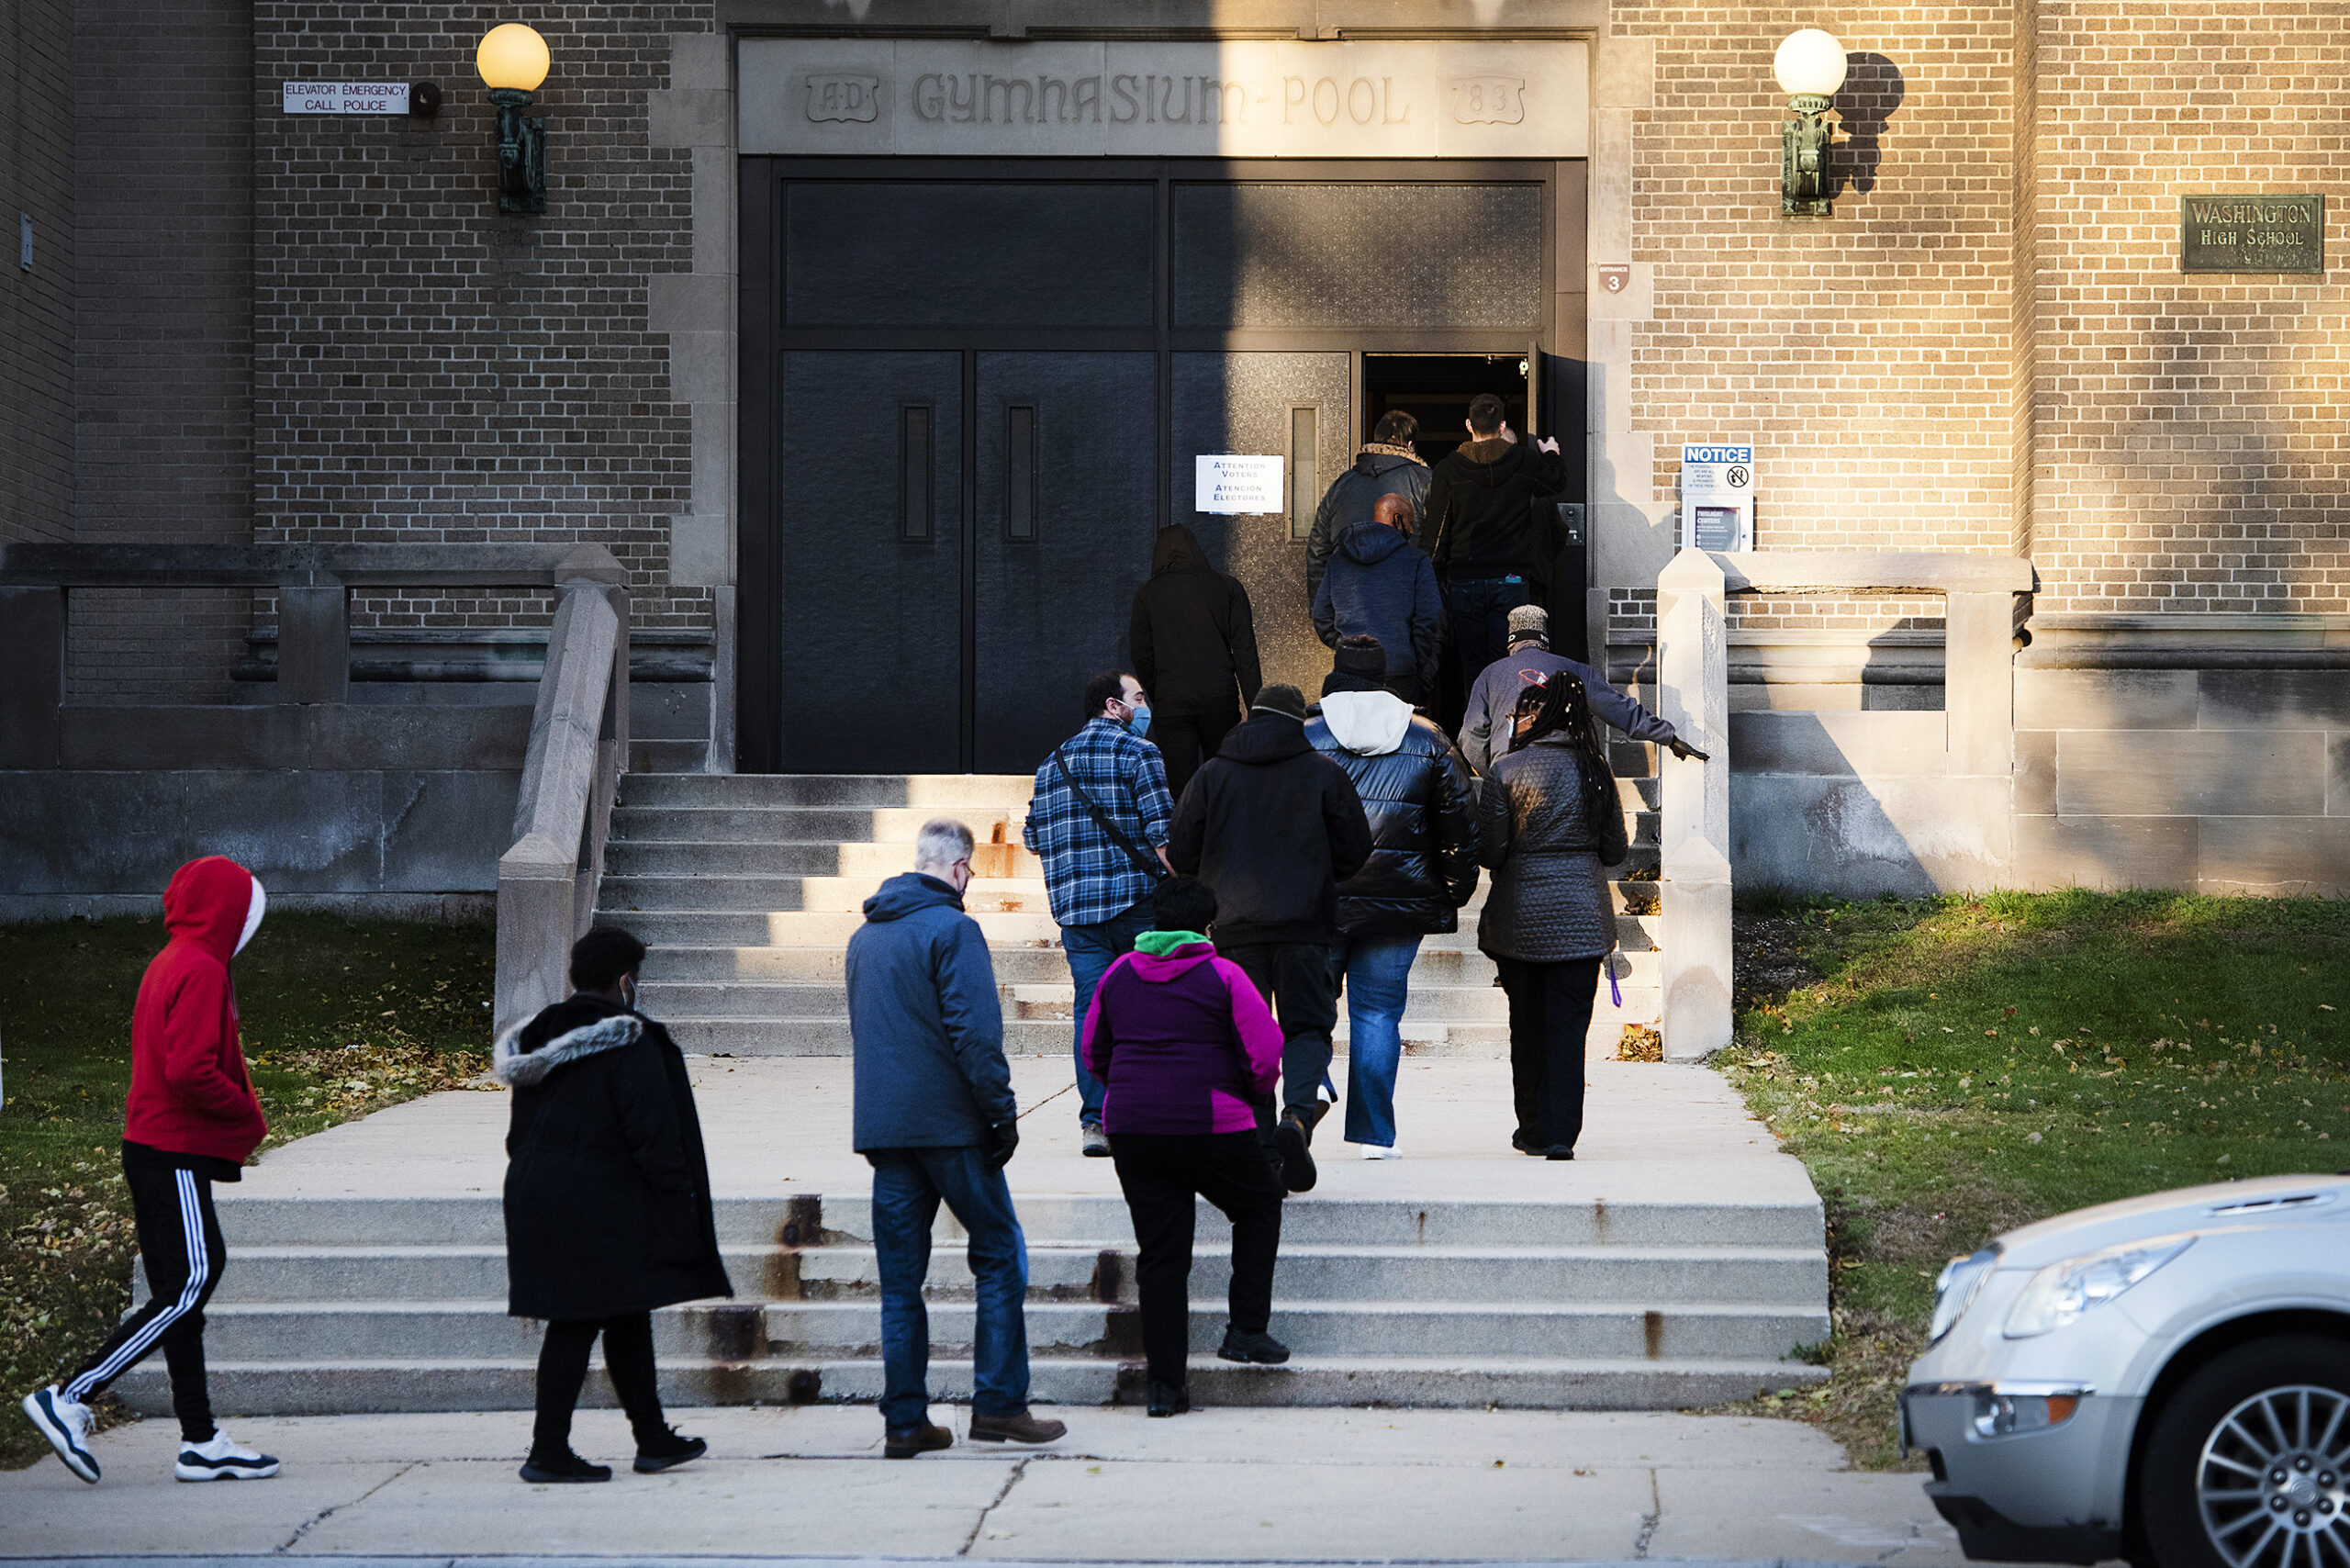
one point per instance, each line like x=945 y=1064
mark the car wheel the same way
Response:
x=2248 y=1464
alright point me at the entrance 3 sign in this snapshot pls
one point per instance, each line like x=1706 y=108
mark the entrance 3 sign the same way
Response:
x=1717 y=498
x=1232 y=484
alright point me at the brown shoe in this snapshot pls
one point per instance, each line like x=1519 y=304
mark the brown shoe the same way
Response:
x=1020 y=1428
x=924 y=1438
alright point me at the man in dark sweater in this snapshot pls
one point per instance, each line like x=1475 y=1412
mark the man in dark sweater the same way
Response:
x=1480 y=530
x=1274 y=827
x=1193 y=643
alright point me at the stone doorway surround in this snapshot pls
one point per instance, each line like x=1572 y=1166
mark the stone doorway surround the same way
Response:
x=702 y=109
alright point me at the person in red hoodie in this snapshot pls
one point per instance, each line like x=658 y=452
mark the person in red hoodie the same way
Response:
x=190 y=1120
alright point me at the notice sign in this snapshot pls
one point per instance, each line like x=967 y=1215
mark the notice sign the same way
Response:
x=1717 y=498
x=346 y=98
x=2252 y=234
x=1228 y=483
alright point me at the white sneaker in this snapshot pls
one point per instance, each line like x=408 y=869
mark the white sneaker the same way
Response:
x=1374 y=1151
x=66 y=1424
x=222 y=1458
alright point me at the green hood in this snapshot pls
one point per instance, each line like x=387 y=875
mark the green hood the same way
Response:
x=1158 y=943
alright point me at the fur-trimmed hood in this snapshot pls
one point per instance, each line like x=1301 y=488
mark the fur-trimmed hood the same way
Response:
x=518 y=1067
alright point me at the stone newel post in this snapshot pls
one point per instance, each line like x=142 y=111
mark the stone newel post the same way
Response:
x=1692 y=692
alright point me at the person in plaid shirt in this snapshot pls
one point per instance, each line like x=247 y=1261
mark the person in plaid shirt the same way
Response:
x=1100 y=890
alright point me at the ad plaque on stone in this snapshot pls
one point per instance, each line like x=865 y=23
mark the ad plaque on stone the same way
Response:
x=2252 y=234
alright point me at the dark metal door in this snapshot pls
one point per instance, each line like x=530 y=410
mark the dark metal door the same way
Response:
x=1066 y=521
x=869 y=466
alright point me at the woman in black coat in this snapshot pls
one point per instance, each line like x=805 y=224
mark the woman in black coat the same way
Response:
x=608 y=1210
x=1548 y=819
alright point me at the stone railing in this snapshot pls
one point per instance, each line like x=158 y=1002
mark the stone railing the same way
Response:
x=579 y=740
x=1977 y=733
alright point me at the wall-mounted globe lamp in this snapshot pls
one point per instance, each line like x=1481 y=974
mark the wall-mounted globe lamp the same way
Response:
x=1810 y=67
x=512 y=60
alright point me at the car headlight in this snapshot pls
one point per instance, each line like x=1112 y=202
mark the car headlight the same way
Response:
x=2059 y=1294
x=1961 y=1281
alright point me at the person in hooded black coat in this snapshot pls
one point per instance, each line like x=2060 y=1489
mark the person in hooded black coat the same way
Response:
x=1195 y=647
x=608 y=1207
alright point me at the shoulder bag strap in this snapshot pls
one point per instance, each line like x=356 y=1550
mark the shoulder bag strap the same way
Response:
x=1148 y=862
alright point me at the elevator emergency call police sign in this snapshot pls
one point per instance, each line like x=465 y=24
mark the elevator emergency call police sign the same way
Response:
x=1717 y=498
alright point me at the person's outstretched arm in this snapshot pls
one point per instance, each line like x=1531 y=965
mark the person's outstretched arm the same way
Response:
x=1616 y=708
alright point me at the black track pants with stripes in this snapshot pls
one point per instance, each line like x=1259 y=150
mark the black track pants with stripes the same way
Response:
x=179 y=1242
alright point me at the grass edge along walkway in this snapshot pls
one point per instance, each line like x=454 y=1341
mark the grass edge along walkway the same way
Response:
x=1951 y=1068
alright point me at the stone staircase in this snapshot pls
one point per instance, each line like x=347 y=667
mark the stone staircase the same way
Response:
x=747 y=887
x=339 y=1306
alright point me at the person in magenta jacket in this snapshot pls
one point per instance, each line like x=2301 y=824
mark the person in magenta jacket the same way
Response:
x=191 y=1119
x=1187 y=1053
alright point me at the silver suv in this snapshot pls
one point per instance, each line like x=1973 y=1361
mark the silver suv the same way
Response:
x=2165 y=1380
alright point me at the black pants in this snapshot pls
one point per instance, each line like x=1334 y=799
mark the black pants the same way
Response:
x=1187 y=740
x=1550 y=1014
x=180 y=1245
x=1161 y=1173
x=562 y=1366
x=1294 y=978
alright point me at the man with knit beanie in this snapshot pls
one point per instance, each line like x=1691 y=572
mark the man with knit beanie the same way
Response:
x=1273 y=826
x=1485 y=729
x=191 y=1119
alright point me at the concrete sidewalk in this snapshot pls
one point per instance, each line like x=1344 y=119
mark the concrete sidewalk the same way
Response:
x=1217 y=1486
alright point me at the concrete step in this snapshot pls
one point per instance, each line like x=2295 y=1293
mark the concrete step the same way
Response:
x=932 y=792
x=321 y=1387
x=703 y=925
x=734 y=1036
x=811 y=825
x=365 y=1331
x=1758 y=1276
x=1083 y=1220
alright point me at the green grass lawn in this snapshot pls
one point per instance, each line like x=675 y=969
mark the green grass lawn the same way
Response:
x=1953 y=1068
x=338 y=1020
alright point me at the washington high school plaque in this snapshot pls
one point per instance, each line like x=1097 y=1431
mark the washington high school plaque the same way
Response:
x=2252 y=234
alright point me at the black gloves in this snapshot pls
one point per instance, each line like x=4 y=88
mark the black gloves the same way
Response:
x=1004 y=1139
x=1684 y=751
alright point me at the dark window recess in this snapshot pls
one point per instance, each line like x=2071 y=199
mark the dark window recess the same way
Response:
x=1303 y=492
x=914 y=254
x=916 y=493
x=1019 y=472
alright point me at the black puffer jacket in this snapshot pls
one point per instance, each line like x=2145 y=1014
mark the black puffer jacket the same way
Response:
x=607 y=1190
x=1414 y=790
x=1549 y=901
x=1192 y=636
x=1376 y=471
x=1273 y=826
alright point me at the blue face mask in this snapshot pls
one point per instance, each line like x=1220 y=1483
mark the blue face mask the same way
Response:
x=1138 y=720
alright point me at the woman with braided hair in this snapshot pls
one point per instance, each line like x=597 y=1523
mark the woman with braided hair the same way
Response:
x=1548 y=821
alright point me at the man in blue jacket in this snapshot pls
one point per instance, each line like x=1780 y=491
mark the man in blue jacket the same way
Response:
x=1381 y=585
x=936 y=1118
x=1484 y=730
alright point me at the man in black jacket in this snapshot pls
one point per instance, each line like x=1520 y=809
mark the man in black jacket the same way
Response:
x=1274 y=828
x=1480 y=530
x=1193 y=640
x=1386 y=466
x=1423 y=866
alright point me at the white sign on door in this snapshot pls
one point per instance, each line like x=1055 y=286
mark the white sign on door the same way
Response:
x=1717 y=498
x=1232 y=484
x=346 y=98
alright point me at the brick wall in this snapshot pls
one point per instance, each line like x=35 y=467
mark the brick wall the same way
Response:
x=429 y=370
x=37 y=307
x=162 y=329
x=1868 y=354
x=2189 y=428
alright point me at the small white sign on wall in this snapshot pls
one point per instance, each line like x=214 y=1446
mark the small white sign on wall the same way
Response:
x=1233 y=483
x=346 y=98
x=1717 y=498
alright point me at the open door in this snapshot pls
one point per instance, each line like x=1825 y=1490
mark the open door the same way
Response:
x=1555 y=393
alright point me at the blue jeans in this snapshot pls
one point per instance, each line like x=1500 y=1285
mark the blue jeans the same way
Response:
x=1377 y=972
x=907 y=1185
x=1091 y=950
x=1479 y=610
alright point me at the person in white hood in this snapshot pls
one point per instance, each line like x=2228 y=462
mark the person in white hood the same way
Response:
x=1423 y=867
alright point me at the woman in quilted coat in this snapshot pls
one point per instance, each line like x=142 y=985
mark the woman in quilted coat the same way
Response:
x=1547 y=822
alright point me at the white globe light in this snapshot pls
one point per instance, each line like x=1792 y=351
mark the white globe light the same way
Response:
x=1810 y=64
